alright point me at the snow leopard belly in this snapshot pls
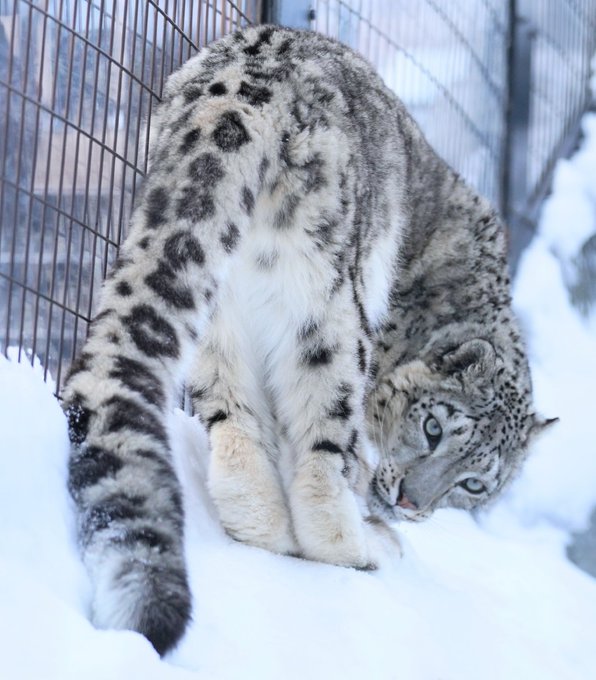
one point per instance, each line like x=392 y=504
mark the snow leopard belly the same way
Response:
x=276 y=287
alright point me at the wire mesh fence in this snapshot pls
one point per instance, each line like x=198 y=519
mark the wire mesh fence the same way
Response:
x=563 y=42
x=79 y=80
x=448 y=62
x=453 y=65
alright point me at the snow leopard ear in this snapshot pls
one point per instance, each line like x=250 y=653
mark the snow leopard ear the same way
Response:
x=539 y=425
x=473 y=362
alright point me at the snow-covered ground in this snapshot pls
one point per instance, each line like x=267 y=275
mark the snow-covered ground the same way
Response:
x=492 y=597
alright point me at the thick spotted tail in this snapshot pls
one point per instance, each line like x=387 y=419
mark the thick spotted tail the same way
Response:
x=130 y=514
x=208 y=165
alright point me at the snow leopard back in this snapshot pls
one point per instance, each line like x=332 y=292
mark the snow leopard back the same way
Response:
x=288 y=191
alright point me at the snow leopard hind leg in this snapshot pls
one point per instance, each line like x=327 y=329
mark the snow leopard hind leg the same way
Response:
x=243 y=480
x=153 y=309
x=286 y=465
x=286 y=361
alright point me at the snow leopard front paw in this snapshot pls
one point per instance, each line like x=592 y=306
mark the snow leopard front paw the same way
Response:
x=247 y=493
x=328 y=520
x=385 y=541
x=366 y=545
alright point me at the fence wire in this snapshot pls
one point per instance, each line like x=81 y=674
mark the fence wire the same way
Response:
x=450 y=62
x=447 y=61
x=563 y=42
x=78 y=80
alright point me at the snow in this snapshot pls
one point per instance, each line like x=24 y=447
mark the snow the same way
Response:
x=491 y=597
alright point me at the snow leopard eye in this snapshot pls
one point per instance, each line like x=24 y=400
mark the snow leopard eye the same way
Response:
x=472 y=485
x=433 y=431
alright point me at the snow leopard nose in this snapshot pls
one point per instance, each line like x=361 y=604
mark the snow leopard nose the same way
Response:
x=403 y=501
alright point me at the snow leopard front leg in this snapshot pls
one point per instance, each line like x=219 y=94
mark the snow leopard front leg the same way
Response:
x=244 y=481
x=324 y=397
x=153 y=310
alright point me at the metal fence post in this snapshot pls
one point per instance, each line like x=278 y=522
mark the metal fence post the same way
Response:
x=290 y=13
x=515 y=177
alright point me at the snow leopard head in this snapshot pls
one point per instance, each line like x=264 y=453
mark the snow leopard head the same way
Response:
x=452 y=428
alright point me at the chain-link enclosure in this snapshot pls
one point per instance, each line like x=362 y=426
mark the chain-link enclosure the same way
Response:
x=78 y=80
x=563 y=40
x=498 y=87
x=448 y=62
x=455 y=65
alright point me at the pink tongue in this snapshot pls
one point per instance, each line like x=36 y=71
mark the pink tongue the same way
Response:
x=405 y=503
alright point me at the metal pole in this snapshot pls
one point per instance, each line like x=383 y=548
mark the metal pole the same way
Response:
x=515 y=180
x=289 y=13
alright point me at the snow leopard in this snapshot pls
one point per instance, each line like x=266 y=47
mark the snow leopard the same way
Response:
x=336 y=299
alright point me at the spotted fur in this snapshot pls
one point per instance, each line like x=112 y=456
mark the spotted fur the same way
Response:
x=320 y=278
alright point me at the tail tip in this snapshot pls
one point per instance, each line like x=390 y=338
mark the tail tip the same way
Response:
x=149 y=599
